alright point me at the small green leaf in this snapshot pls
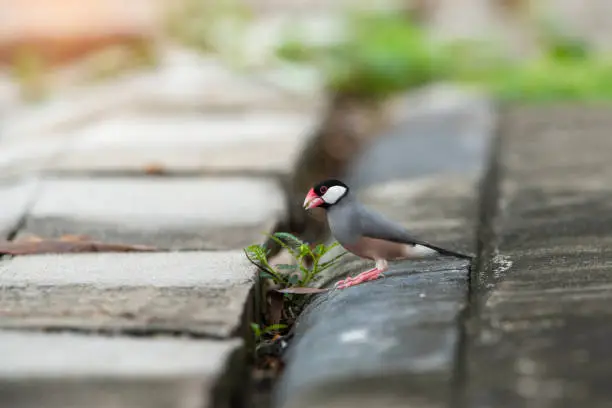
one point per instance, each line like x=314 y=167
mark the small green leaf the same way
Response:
x=293 y=279
x=305 y=250
x=257 y=252
x=256 y=330
x=267 y=275
x=274 y=327
x=280 y=242
x=287 y=267
x=289 y=238
x=320 y=250
x=328 y=264
x=262 y=264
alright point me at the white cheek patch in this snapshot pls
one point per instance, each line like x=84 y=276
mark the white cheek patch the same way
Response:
x=333 y=194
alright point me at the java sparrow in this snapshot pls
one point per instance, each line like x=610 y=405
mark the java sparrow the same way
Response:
x=366 y=233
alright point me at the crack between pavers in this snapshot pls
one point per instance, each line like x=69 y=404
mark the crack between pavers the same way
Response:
x=164 y=173
x=480 y=274
x=136 y=332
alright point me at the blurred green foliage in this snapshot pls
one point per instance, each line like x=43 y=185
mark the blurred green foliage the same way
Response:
x=35 y=74
x=27 y=69
x=383 y=54
x=216 y=26
x=567 y=69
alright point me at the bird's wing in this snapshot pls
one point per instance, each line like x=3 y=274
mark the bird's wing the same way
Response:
x=376 y=225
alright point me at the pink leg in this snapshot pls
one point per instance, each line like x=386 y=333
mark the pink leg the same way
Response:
x=362 y=277
x=372 y=274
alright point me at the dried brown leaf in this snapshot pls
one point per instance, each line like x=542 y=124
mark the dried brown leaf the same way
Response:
x=58 y=246
x=302 y=291
x=154 y=169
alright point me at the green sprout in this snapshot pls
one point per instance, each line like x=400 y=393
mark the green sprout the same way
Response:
x=297 y=278
x=258 y=331
x=299 y=274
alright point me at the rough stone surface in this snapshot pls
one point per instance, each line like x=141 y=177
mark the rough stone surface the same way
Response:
x=391 y=340
x=448 y=132
x=400 y=329
x=542 y=336
x=25 y=159
x=71 y=108
x=179 y=142
x=175 y=213
x=68 y=370
x=197 y=292
x=188 y=80
x=44 y=355
x=183 y=82
x=15 y=198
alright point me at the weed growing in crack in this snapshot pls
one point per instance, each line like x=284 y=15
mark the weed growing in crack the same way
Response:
x=288 y=282
x=259 y=332
x=290 y=277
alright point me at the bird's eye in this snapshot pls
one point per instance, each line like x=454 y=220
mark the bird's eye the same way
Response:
x=323 y=189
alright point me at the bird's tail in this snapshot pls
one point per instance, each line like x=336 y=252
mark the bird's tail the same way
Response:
x=447 y=252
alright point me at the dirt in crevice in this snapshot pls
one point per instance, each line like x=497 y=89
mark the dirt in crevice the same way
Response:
x=480 y=273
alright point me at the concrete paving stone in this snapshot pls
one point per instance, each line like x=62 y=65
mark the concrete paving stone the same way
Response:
x=15 y=198
x=70 y=371
x=184 y=80
x=188 y=80
x=69 y=108
x=26 y=158
x=437 y=115
x=543 y=331
x=194 y=292
x=169 y=213
x=237 y=143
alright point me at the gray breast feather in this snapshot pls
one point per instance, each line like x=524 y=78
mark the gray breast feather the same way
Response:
x=343 y=223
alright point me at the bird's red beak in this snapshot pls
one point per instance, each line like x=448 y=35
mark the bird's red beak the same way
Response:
x=312 y=200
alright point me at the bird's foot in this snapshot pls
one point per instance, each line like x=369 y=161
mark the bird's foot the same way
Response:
x=368 y=275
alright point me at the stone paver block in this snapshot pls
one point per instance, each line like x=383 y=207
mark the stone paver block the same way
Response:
x=184 y=81
x=237 y=143
x=437 y=115
x=544 y=328
x=354 y=345
x=15 y=197
x=26 y=158
x=69 y=370
x=176 y=213
x=188 y=80
x=71 y=107
x=205 y=293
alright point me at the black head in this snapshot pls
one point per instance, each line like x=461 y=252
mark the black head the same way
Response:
x=325 y=194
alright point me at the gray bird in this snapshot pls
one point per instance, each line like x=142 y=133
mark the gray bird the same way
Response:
x=366 y=233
